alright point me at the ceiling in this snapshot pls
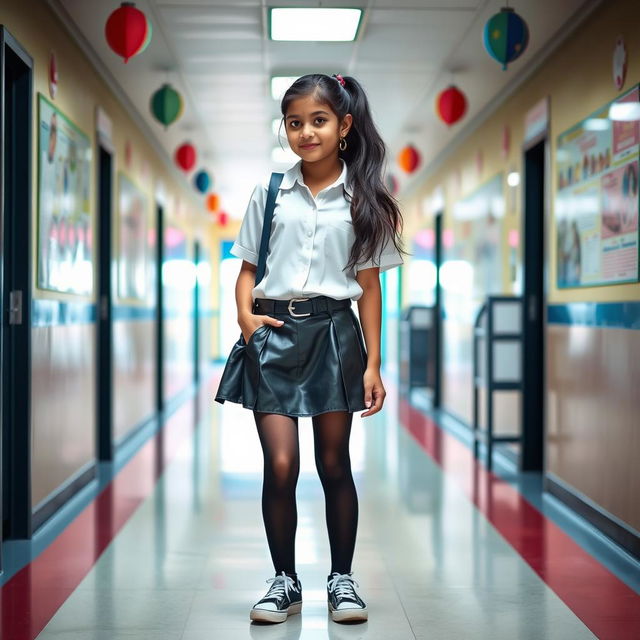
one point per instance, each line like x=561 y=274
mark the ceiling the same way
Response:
x=218 y=55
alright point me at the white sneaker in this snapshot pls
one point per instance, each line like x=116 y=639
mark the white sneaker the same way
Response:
x=345 y=605
x=283 y=599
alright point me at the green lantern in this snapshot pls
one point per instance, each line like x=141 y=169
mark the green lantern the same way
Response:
x=166 y=105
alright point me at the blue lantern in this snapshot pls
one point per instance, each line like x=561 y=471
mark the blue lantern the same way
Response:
x=202 y=181
x=506 y=36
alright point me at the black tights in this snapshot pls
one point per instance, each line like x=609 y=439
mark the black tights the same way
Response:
x=279 y=439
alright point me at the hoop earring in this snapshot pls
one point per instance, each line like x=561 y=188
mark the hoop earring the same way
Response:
x=342 y=140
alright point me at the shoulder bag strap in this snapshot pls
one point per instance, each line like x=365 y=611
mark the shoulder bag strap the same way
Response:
x=274 y=184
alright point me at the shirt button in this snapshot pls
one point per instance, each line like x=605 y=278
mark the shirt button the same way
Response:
x=309 y=233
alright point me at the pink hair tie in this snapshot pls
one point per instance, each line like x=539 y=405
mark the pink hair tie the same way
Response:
x=339 y=78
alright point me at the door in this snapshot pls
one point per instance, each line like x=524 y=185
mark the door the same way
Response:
x=104 y=378
x=533 y=307
x=16 y=88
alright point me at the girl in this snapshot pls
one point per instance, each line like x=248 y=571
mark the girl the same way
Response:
x=334 y=228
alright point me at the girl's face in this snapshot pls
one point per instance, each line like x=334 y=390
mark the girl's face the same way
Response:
x=313 y=130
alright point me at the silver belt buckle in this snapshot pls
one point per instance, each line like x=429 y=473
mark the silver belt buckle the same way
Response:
x=290 y=307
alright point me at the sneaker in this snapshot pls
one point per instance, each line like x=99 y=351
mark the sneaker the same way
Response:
x=283 y=599
x=345 y=605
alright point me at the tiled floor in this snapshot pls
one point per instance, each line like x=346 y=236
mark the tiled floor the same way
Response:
x=193 y=557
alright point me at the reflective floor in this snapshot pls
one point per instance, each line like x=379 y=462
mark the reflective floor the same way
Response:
x=191 y=557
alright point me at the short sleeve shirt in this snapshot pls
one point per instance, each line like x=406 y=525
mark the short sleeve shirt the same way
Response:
x=310 y=242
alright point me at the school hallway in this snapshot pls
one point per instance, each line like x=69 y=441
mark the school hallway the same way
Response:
x=173 y=546
x=161 y=159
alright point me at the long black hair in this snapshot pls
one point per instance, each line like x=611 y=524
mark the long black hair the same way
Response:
x=374 y=211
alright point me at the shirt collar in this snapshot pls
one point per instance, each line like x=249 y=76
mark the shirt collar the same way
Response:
x=294 y=174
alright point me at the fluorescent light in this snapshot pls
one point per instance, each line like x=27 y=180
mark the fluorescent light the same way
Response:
x=279 y=84
x=513 y=179
x=625 y=111
x=283 y=156
x=314 y=24
x=597 y=124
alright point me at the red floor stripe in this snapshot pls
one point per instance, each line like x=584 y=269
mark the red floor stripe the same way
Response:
x=33 y=595
x=606 y=605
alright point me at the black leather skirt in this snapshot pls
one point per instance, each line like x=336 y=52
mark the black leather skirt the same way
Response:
x=310 y=364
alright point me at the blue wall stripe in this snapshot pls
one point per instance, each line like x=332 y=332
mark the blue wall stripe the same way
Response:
x=609 y=315
x=50 y=313
x=121 y=312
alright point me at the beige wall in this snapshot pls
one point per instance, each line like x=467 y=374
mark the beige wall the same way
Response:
x=592 y=381
x=63 y=389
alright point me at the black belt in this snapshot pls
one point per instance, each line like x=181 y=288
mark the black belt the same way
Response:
x=297 y=307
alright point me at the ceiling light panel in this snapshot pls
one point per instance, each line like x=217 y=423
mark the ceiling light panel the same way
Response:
x=314 y=24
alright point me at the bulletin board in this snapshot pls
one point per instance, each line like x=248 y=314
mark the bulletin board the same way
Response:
x=596 y=202
x=65 y=248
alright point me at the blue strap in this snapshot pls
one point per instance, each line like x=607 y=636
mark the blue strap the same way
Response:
x=274 y=184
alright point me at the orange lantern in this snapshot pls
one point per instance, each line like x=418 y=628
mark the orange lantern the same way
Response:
x=409 y=159
x=213 y=202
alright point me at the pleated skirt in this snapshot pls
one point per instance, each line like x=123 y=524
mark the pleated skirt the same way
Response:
x=306 y=366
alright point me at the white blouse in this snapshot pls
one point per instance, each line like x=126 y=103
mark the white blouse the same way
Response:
x=310 y=241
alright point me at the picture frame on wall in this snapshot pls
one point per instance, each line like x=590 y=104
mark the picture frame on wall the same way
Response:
x=64 y=224
x=596 y=200
x=132 y=230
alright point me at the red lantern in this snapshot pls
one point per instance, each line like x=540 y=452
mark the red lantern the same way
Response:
x=213 y=202
x=186 y=156
x=451 y=105
x=127 y=30
x=409 y=159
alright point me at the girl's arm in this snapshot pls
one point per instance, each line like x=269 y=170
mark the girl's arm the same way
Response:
x=370 y=311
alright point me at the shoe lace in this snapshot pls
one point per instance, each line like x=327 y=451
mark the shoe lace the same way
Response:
x=342 y=584
x=281 y=584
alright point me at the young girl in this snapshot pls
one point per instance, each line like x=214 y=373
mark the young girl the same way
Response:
x=335 y=228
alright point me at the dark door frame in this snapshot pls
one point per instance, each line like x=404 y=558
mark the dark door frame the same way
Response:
x=159 y=383
x=104 y=319
x=534 y=293
x=196 y=314
x=16 y=98
x=437 y=310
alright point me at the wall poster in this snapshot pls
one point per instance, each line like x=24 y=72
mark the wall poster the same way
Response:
x=132 y=240
x=597 y=199
x=64 y=243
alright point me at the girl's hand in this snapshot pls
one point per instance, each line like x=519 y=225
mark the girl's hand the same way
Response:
x=374 y=393
x=251 y=322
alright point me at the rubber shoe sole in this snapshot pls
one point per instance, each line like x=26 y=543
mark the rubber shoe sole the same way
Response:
x=348 y=615
x=264 y=615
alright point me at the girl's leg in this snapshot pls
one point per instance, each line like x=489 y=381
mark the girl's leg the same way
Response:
x=331 y=433
x=279 y=439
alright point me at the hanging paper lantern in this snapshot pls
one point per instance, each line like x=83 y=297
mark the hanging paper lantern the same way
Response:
x=213 y=202
x=408 y=159
x=166 y=105
x=451 y=105
x=391 y=183
x=202 y=181
x=127 y=30
x=186 y=156
x=506 y=36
